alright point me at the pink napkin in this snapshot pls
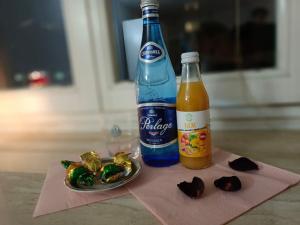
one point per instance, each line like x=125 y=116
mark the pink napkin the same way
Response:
x=157 y=189
x=55 y=196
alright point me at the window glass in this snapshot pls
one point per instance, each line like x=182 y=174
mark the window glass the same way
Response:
x=33 y=46
x=229 y=34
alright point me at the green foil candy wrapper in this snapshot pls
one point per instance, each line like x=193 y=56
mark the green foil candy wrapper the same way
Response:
x=77 y=174
x=66 y=163
x=111 y=173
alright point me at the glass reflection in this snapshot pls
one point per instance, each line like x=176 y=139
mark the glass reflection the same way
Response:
x=229 y=34
x=33 y=46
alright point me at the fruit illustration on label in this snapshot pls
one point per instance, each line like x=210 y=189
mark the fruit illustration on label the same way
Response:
x=202 y=136
x=193 y=142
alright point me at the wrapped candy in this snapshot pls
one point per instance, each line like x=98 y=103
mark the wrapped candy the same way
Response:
x=122 y=159
x=66 y=163
x=111 y=173
x=92 y=169
x=77 y=174
x=92 y=161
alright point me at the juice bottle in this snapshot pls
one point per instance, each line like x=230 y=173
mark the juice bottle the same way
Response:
x=192 y=107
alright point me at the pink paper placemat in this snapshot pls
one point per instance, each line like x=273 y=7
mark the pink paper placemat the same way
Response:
x=55 y=196
x=157 y=189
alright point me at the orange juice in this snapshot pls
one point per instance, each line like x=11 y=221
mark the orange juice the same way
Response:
x=192 y=107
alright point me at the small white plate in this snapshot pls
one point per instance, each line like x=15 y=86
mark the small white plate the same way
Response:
x=136 y=169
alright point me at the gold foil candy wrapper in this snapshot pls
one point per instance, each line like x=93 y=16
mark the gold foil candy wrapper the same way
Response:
x=91 y=160
x=122 y=159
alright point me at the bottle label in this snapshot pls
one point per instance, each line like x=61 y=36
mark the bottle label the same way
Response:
x=194 y=133
x=151 y=52
x=157 y=124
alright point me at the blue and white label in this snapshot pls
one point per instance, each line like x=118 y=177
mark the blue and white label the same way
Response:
x=151 y=52
x=157 y=124
x=150 y=11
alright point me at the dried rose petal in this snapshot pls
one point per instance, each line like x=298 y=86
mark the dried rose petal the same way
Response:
x=243 y=164
x=193 y=189
x=228 y=183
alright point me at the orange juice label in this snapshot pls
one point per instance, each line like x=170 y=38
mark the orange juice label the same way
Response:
x=193 y=133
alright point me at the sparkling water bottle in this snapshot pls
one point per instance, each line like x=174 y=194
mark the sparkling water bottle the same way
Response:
x=156 y=93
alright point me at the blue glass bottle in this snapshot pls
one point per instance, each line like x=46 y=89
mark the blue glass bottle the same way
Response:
x=156 y=93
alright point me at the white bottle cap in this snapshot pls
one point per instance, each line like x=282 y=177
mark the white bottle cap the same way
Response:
x=145 y=3
x=190 y=57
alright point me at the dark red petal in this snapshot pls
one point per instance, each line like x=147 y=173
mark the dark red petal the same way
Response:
x=243 y=164
x=228 y=183
x=193 y=189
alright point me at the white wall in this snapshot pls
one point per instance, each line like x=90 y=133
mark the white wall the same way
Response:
x=257 y=100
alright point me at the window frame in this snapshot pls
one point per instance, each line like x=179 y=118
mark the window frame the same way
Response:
x=118 y=96
x=81 y=96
